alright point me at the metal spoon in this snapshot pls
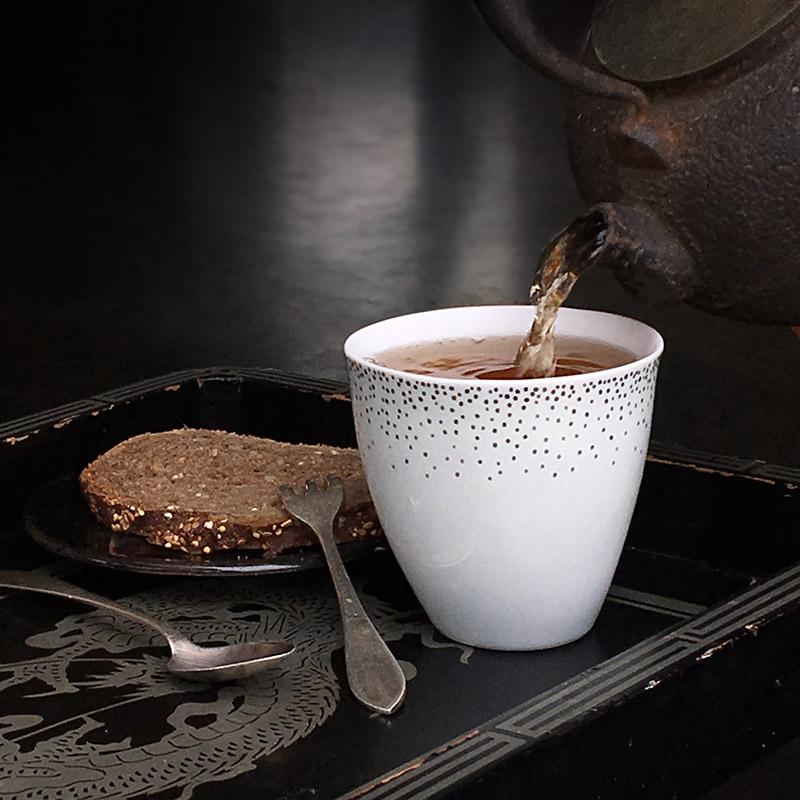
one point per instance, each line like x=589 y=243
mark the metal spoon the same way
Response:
x=375 y=677
x=189 y=660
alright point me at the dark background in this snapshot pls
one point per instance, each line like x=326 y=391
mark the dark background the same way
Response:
x=245 y=183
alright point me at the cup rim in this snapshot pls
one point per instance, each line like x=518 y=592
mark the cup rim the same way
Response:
x=584 y=377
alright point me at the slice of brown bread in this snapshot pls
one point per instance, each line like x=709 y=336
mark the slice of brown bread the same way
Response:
x=201 y=490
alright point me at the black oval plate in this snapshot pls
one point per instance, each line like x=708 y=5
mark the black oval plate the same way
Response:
x=57 y=518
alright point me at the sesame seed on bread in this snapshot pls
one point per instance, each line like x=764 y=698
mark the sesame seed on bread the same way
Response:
x=203 y=490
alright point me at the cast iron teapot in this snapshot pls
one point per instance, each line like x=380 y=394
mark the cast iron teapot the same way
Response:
x=684 y=132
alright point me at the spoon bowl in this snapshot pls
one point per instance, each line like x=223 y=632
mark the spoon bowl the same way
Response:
x=226 y=662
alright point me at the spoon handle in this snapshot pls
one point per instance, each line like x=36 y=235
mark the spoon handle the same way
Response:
x=373 y=673
x=45 y=584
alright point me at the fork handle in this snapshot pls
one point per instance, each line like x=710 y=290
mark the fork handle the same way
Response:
x=373 y=673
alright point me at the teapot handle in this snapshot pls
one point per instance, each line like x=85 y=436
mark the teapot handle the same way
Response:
x=511 y=22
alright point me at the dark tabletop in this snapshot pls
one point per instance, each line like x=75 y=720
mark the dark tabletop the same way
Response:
x=245 y=183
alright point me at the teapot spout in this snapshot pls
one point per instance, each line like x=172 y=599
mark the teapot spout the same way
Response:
x=646 y=256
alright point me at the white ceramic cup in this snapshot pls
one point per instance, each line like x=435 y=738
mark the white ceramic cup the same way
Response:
x=506 y=502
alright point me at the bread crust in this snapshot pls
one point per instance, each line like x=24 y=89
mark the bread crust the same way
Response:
x=271 y=529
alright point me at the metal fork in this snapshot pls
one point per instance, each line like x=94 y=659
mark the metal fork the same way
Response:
x=373 y=673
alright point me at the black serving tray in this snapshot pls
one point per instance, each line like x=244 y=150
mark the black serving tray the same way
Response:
x=688 y=673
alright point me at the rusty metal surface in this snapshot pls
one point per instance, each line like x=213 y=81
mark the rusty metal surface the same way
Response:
x=709 y=161
x=727 y=183
x=646 y=256
x=663 y=39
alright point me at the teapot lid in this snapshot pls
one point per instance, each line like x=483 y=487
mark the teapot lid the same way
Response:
x=659 y=40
